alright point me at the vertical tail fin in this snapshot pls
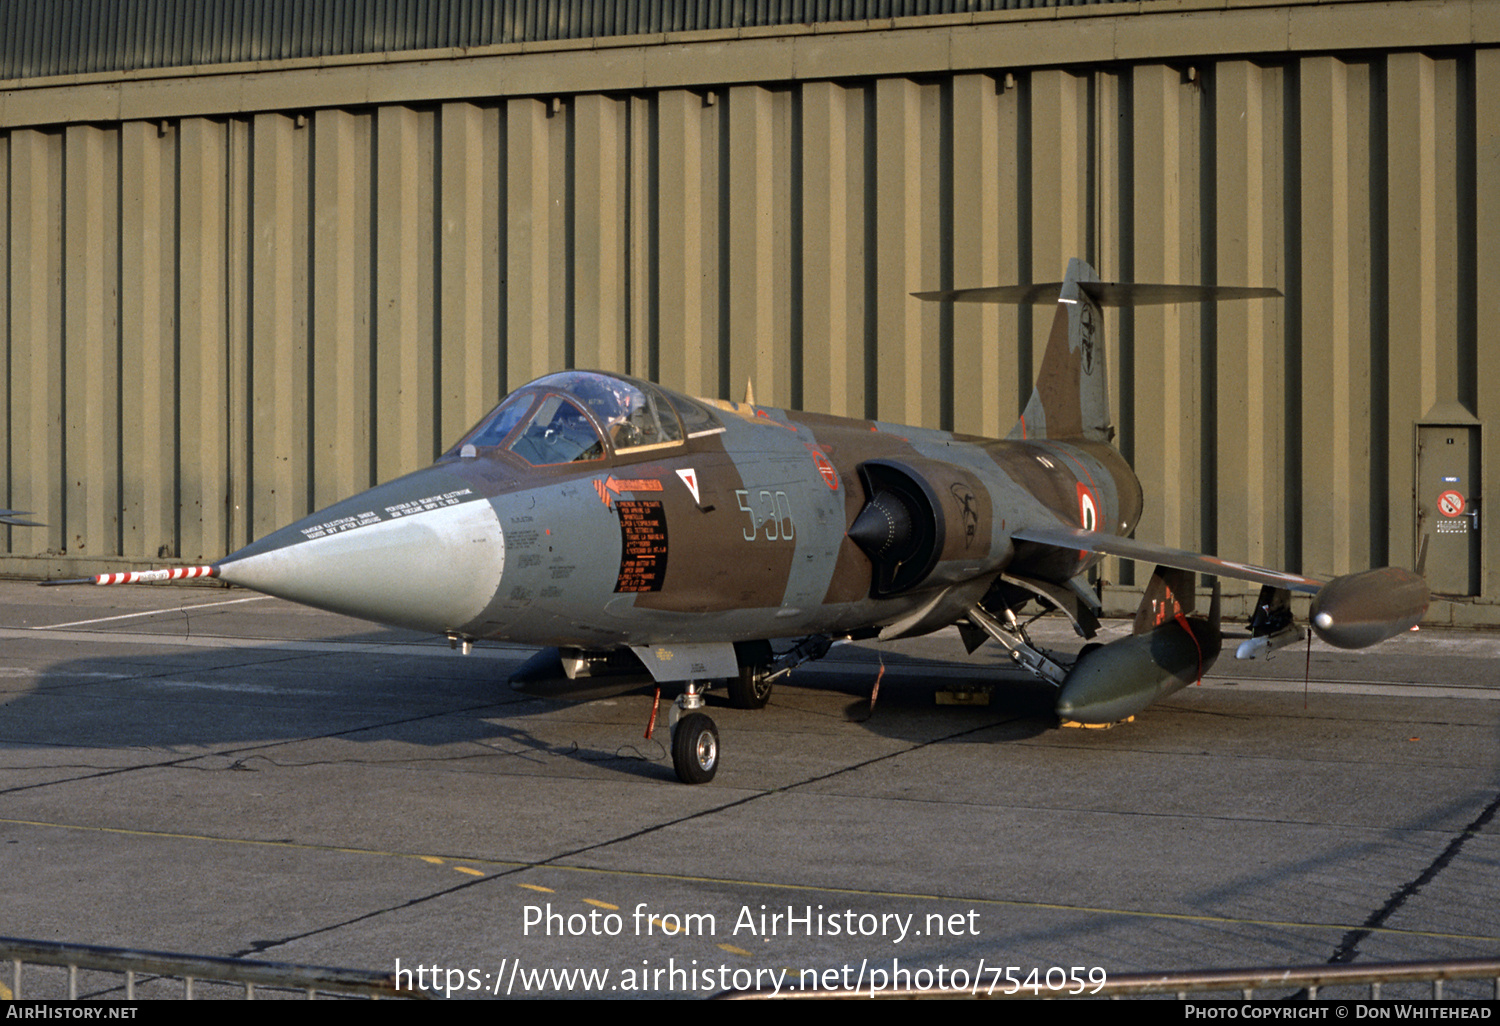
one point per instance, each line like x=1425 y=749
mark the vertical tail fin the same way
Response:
x=1071 y=398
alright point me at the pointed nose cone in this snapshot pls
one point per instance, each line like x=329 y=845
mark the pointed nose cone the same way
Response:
x=424 y=552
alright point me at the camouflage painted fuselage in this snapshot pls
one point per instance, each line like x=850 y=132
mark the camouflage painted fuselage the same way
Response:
x=738 y=531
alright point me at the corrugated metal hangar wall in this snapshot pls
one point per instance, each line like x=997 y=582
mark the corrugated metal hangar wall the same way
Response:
x=233 y=294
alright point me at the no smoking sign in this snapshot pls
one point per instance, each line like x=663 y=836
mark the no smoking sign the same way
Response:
x=1450 y=504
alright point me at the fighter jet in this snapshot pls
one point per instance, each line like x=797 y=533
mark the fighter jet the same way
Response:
x=706 y=542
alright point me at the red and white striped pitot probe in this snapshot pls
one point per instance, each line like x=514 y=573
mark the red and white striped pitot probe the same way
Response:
x=177 y=573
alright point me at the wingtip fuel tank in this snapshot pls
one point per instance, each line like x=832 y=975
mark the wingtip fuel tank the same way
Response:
x=1359 y=610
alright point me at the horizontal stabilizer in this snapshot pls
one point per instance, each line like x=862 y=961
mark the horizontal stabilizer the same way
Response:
x=13 y=518
x=1144 y=552
x=1104 y=293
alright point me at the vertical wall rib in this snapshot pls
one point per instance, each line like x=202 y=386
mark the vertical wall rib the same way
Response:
x=203 y=402
x=980 y=237
x=407 y=411
x=1251 y=441
x=1335 y=281
x=468 y=266
x=1167 y=353
x=1486 y=277
x=1412 y=203
x=7 y=426
x=339 y=266
x=534 y=278
x=751 y=234
x=278 y=342
x=90 y=340
x=148 y=341
x=685 y=295
x=36 y=334
x=601 y=331
x=905 y=253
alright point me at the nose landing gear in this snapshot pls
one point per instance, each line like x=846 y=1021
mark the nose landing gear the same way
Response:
x=695 y=739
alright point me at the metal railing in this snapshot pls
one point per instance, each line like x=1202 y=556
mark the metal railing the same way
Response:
x=1301 y=981
x=1309 y=979
x=154 y=967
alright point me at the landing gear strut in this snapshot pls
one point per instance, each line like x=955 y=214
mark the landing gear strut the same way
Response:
x=695 y=739
x=1023 y=653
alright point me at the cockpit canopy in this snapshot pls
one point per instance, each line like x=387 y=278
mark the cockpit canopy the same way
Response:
x=577 y=416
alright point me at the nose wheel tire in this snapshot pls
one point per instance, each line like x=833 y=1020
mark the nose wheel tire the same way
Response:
x=695 y=749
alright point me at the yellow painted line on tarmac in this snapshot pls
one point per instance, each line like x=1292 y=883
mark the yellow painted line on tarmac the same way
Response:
x=734 y=950
x=466 y=869
x=5 y=994
x=773 y=887
x=1124 y=913
x=537 y=887
x=255 y=843
x=601 y=904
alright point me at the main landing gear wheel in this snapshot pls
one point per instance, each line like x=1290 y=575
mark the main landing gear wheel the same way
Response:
x=751 y=689
x=695 y=749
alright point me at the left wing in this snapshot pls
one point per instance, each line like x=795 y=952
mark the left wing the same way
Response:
x=1352 y=611
x=1145 y=552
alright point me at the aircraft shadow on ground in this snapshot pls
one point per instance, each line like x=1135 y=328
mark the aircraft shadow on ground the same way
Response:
x=184 y=700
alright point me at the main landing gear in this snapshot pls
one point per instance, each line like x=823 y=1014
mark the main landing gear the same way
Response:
x=1012 y=635
x=751 y=688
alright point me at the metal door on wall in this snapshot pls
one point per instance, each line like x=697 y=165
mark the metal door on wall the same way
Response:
x=1448 y=495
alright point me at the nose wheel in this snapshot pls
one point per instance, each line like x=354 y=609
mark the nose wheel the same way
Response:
x=695 y=749
x=695 y=739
